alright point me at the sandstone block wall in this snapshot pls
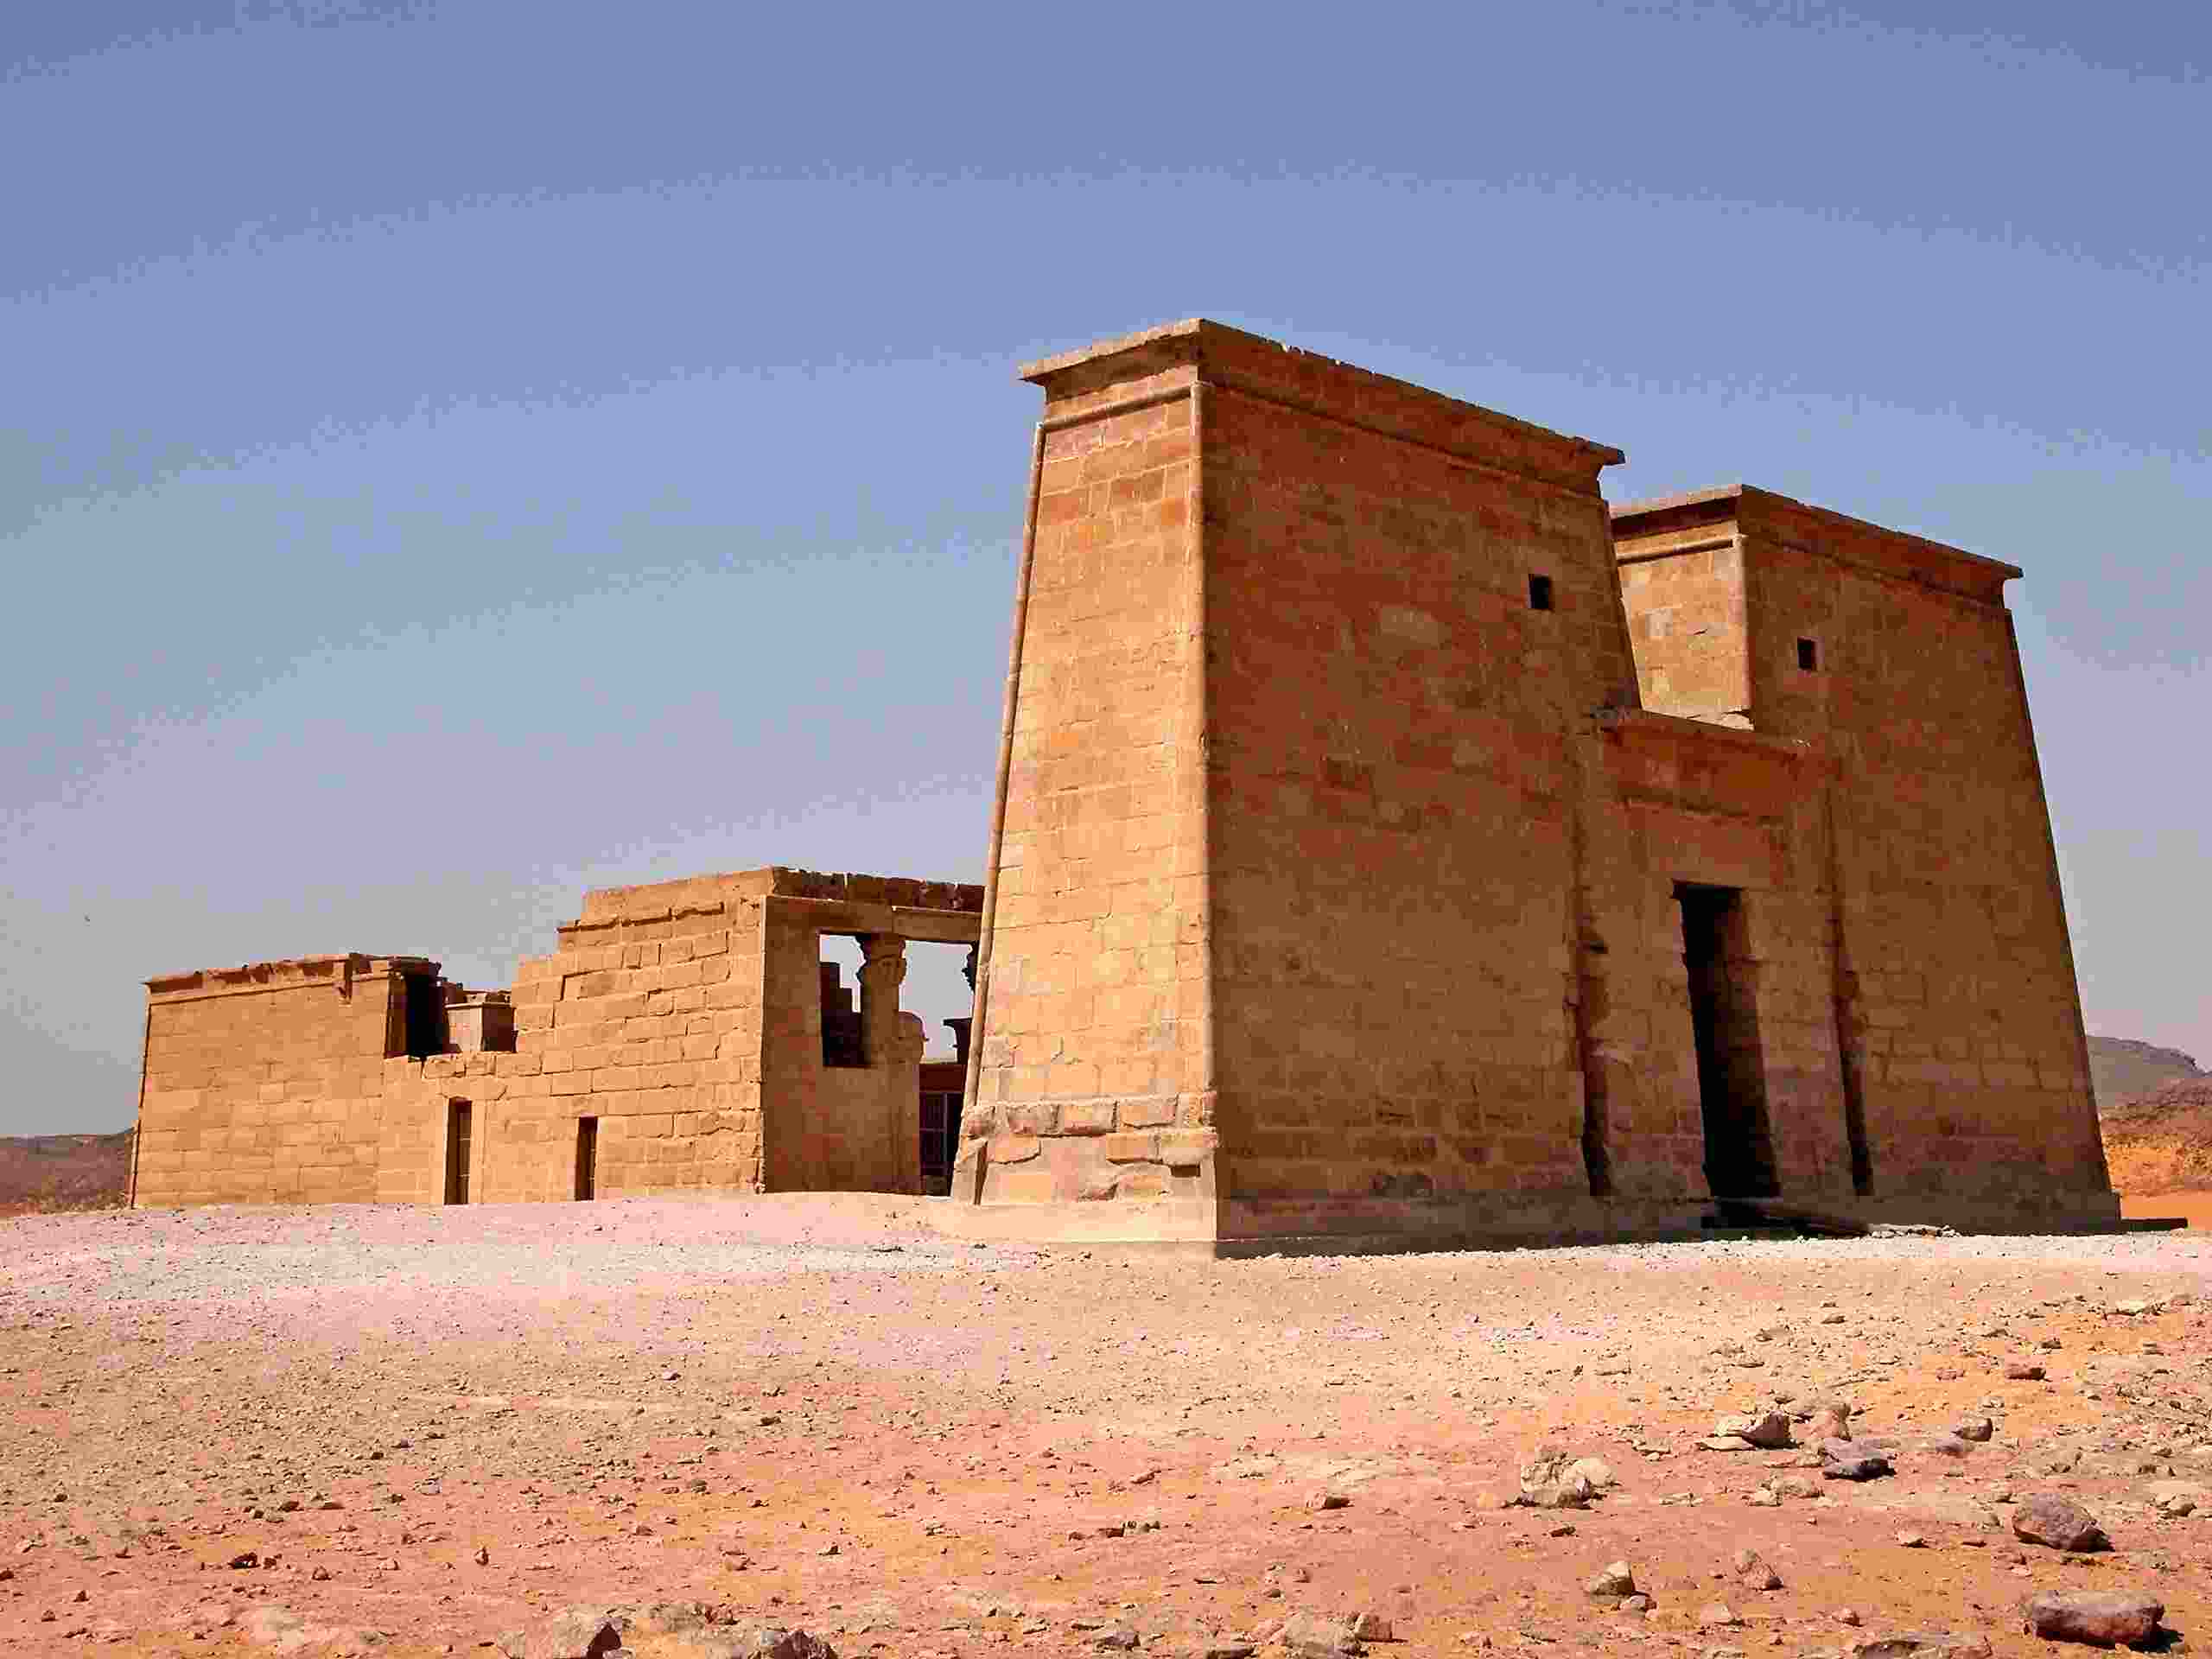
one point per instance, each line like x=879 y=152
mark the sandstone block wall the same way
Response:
x=1958 y=1025
x=1391 y=789
x=1516 y=882
x=264 y=1085
x=1095 y=1041
x=682 y=1019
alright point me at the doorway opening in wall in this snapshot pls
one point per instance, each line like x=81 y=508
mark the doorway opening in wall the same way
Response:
x=587 y=1159
x=1725 y=1025
x=939 y=989
x=458 y=1136
x=425 y=1013
x=841 y=1001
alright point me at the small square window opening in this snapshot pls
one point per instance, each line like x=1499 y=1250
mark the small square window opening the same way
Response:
x=1539 y=592
x=1808 y=656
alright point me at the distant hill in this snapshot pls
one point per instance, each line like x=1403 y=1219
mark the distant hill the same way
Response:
x=2121 y=1068
x=2162 y=1141
x=63 y=1172
x=2156 y=1107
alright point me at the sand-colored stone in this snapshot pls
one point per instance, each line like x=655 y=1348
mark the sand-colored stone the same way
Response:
x=1379 y=805
x=682 y=1019
x=1395 y=844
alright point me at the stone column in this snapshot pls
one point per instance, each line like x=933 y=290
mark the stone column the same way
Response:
x=883 y=969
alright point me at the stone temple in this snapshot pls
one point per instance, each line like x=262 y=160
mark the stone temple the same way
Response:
x=1393 y=845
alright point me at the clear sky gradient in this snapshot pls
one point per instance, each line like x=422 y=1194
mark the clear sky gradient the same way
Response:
x=454 y=455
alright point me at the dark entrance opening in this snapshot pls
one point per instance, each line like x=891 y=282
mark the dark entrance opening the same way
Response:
x=587 y=1159
x=1725 y=1023
x=458 y=1114
x=425 y=1016
x=940 y=1126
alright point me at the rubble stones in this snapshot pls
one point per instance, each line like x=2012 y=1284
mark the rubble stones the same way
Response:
x=1595 y=1472
x=1920 y=1644
x=1552 y=1479
x=760 y=1641
x=1770 y=1431
x=1613 y=1580
x=2058 y=1523
x=2101 y=1618
x=1310 y=1636
x=574 y=1633
x=1753 y=1571
x=1847 y=1460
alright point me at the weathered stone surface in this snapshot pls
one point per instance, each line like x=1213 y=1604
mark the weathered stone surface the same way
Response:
x=1163 y=781
x=574 y=1633
x=2058 y=1523
x=2102 y=1619
x=1611 y=1581
x=759 y=1641
x=1920 y=1644
x=1312 y=1636
x=1840 y=1460
x=1551 y=1479
x=1768 y=1430
x=1753 y=1571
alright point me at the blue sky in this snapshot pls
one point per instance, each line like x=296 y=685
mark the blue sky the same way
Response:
x=457 y=455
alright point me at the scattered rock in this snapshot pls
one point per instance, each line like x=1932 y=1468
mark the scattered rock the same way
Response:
x=2022 y=1373
x=2058 y=1523
x=1595 y=1472
x=1753 y=1571
x=1920 y=1644
x=573 y=1633
x=1116 y=1638
x=2102 y=1619
x=1309 y=1635
x=1717 y=1616
x=1853 y=1465
x=1770 y=1431
x=1550 y=1480
x=1329 y=1501
x=1371 y=1627
x=1975 y=1429
x=1613 y=1580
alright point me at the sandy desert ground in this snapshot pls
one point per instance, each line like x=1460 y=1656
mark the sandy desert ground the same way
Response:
x=426 y=1429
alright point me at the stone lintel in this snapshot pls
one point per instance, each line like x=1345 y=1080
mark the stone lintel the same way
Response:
x=917 y=923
